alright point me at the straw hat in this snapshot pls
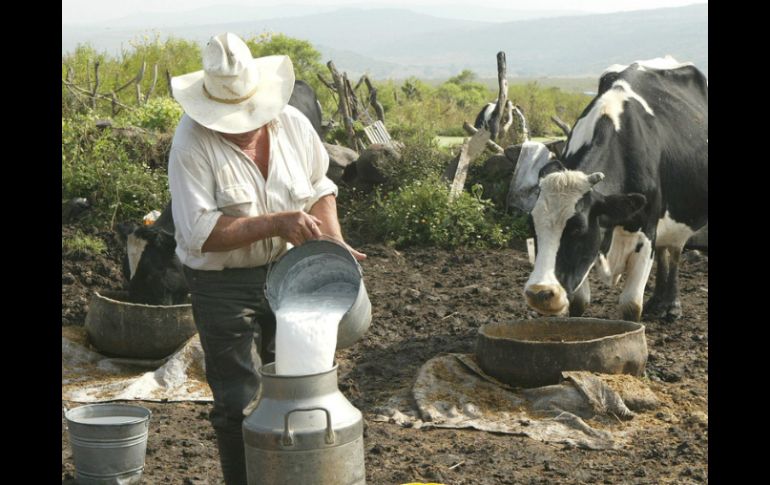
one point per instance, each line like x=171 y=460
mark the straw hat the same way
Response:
x=234 y=93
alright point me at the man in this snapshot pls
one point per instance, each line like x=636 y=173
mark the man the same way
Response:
x=247 y=174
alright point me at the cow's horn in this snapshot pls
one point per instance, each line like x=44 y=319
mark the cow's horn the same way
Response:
x=595 y=178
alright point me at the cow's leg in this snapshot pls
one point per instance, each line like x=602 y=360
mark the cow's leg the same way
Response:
x=580 y=300
x=637 y=271
x=652 y=307
x=664 y=303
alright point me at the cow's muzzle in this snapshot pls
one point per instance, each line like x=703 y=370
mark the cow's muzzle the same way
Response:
x=547 y=299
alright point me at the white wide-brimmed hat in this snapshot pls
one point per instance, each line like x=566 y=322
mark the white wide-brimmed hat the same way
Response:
x=234 y=93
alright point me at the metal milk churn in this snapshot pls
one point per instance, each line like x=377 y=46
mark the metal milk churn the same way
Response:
x=303 y=432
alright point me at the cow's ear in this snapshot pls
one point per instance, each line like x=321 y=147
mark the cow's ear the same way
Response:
x=551 y=167
x=614 y=210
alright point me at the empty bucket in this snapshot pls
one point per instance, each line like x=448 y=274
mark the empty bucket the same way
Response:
x=108 y=443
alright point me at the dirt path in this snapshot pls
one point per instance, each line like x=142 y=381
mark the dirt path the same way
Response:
x=426 y=302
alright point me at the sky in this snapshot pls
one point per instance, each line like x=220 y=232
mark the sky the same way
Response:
x=98 y=10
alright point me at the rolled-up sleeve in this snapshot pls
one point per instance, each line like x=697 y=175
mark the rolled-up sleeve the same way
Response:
x=194 y=204
x=318 y=159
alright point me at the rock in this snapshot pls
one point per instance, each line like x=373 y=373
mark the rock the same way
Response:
x=369 y=166
x=339 y=158
x=512 y=153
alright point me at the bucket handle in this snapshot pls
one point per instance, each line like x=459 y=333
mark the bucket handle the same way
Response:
x=288 y=436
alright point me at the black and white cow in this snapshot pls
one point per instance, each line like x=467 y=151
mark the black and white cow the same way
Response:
x=489 y=113
x=151 y=266
x=634 y=183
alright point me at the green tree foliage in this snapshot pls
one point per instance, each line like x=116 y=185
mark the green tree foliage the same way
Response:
x=305 y=58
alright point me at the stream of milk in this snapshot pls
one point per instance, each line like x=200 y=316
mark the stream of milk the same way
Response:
x=306 y=330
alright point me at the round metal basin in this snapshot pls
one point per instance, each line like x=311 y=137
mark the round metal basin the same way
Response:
x=533 y=353
x=120 y=328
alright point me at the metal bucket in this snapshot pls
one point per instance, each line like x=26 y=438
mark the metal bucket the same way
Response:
x=319 y=264
x=303 y=431
x=108 y=443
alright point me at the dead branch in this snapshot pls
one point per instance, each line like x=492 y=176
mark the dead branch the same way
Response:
x=344 y=109
x=328 y=84
x=152 y=85
x=502 y=95
x=471 y=149
x=138 y=84
x=471 y=130
x=96 y=83
x=561 y=124
x=373 y=98
x=75 y=89
x=168 y=83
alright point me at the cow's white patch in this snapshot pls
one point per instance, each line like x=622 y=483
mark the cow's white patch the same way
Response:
x=609 y=104
x=488 y=112
x=524 y=127
x=672 y=234
x=623 y=245
x=523 y=189
x=638 y=266
x=559 y=192
x=666 y=62
x=135 y=247
x=508 y=117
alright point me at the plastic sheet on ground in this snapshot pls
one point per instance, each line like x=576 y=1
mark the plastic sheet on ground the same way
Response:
x=88 y=376
x=586 y=410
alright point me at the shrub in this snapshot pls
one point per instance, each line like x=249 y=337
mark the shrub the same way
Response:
x=158 y=114
x=97 y=166
x=422 y=214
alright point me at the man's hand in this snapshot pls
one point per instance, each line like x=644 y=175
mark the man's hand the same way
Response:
x=296 y=227
x=356 y=254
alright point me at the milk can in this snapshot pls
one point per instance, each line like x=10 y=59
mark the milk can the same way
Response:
x=303 y=431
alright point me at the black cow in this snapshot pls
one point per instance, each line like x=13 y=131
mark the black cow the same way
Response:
x=635 y=175
x=303 y=98
x=151 y=266
x=489 y=113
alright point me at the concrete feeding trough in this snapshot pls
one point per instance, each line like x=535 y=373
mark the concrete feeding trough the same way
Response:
x=118 y=327
x=533 y=353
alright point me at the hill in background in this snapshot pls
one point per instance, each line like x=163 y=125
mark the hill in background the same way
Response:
x=398 y=43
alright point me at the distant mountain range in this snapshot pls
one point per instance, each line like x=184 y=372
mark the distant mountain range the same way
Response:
x=398 y=43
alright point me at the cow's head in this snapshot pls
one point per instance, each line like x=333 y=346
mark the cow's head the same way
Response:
x=567 y=218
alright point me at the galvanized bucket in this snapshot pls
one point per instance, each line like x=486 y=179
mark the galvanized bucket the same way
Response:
x=319 y=264
x=108 y=443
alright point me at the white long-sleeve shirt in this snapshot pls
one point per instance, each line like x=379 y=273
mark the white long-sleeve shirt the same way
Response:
x=209 y=176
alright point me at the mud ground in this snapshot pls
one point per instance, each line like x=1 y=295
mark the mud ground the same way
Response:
x=426 y=302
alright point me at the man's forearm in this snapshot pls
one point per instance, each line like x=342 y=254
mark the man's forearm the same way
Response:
x=326 y=210
x=236 y=232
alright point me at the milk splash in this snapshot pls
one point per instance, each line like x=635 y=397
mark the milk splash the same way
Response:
x=306 y=329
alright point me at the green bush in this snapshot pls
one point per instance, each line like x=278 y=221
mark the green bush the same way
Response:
x=158 y=114
x=421 y=214
x=96 y=165
x=80 y=245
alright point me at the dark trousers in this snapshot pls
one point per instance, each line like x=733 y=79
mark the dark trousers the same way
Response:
x=236 y=328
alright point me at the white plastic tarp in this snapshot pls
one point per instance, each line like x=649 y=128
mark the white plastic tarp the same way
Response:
x=88 y=376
